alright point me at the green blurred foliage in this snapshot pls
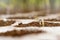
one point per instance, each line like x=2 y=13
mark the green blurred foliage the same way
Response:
x=25 y=4
x=20 y=2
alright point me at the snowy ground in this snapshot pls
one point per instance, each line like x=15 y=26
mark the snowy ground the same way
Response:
x=53 y=33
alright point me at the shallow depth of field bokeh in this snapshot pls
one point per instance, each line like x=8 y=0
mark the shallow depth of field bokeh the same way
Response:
x=24 y=6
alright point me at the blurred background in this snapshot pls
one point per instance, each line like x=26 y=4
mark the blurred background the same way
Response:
x=26 y=6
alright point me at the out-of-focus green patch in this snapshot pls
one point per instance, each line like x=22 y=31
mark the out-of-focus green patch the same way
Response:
x=2 y=4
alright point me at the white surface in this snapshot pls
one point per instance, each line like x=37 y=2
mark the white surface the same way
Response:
x=50 y=35
x=32 y=37
x=50 y=16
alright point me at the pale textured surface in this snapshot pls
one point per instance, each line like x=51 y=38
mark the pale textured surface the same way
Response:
x=51 y=34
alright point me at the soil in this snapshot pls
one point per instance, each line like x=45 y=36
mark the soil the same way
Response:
x=6 y=23
x=51 y=24
x=20 y=18
x=29 y=24
x=20 y=33
x=52 y=19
